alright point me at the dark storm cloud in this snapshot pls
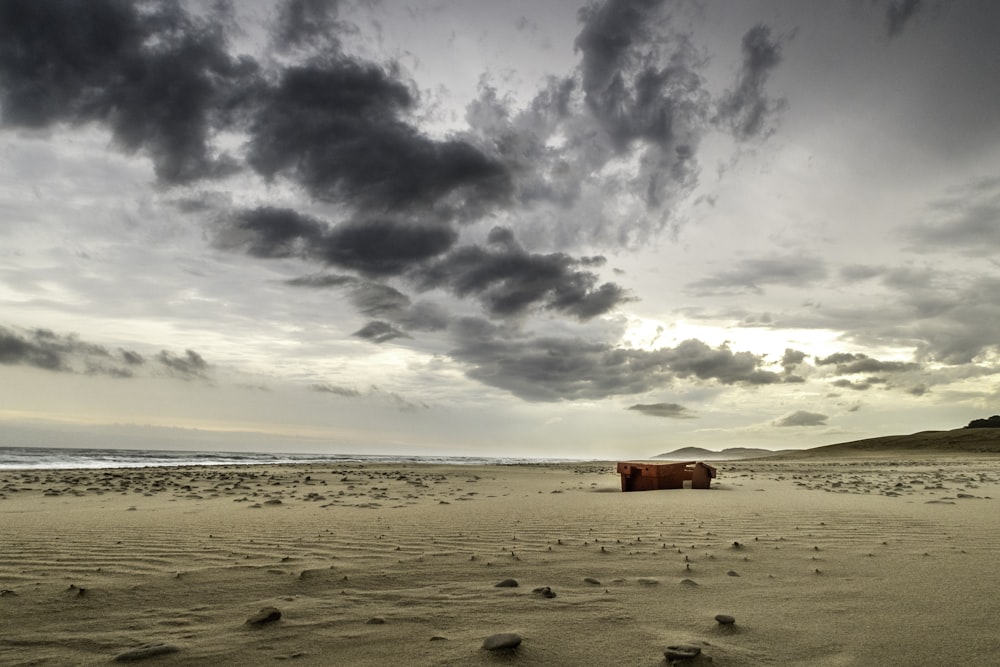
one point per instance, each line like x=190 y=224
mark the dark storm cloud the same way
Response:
x=378 y=246
x=750 y=275
x=802 y=418
x=159 y=79
x=162 y=81
x=336 y=127
x=746 y=109
x=302 y=23
x=666 y=410
x=383 y=246
x=900 y=12
x=637 y=97
x=378 y=331
x=554 y=369
x=629 y=95
x=508 y=280
x=504 y=277
x=66 y=353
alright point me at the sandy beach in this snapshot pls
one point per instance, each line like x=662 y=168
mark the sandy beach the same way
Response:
x=836 y=561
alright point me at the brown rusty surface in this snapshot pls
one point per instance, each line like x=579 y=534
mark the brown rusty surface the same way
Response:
x=641 y=476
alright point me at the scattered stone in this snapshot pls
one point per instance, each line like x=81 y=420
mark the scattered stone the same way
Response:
x=507 y=583
x=592 y=580
x=145 y=651
x=545 y=592
x=689 y=582
x=732 y=573
x=264 y=616
x=439 y=638
x=376 y=620
x=725 y=619
x=502 y=641
x=648 y=581
x=682 y=652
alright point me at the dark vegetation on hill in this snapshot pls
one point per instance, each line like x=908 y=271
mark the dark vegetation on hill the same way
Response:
x=992 y=422
x=960 y=441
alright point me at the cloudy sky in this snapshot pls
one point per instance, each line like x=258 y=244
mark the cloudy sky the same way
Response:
x=539 y=227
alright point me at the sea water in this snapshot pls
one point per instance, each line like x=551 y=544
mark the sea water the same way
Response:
x=71 y=458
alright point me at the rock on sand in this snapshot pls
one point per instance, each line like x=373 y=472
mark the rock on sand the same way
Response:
x=501 y=641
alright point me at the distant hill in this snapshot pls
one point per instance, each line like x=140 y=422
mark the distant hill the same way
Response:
x=730 y=454
x=963 y=441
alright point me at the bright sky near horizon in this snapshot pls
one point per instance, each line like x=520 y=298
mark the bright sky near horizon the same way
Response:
x=552 y=228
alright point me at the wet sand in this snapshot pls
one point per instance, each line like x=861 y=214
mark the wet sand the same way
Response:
x=840 y=561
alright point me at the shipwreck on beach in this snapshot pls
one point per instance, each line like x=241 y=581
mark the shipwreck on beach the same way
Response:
x=641 y=476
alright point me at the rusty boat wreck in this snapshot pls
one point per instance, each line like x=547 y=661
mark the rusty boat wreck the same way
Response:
x=643 y=476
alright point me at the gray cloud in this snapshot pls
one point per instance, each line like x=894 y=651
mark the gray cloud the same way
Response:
x=378 y=331
x=308 y=23
x=160 y=79
x=394 y=399
x=508 y=280
x=503 y=276
x=853 y=273
x=666 y=410
x=322 y=280
x=802 y=418
x=335 y=127
x=191 y=366
x=746 y=109
x=553 y=369
x=346 y=392
x=900 y=12
x=791 y=358
x=848 y=363
x=638 y=97
x=66 y=353
x=750 y=275
x=964 y=220
x=374 y=247
x=627 y=91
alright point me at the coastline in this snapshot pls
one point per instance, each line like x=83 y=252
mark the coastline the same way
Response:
x=840 y=562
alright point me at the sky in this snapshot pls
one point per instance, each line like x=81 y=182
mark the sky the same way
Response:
x=531 y=228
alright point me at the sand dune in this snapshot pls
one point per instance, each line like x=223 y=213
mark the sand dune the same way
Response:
x=957 y=442
x=845 y=562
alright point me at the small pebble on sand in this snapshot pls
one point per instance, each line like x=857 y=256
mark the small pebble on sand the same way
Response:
x=264 y=616
x=502 y=641
x=145 y=651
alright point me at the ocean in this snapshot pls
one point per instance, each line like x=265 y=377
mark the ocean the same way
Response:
x=51 y=458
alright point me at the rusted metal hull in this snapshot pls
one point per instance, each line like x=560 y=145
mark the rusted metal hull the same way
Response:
x=640 y=476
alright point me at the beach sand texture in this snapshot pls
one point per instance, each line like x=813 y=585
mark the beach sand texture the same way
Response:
x=837 y=561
